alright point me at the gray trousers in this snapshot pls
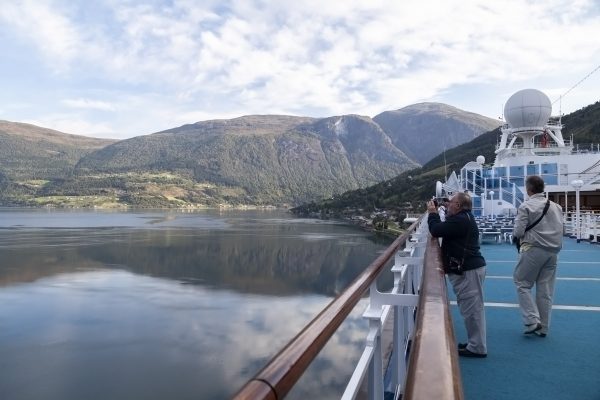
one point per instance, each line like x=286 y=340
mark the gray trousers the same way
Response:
x=468 y=288
x=536 y=266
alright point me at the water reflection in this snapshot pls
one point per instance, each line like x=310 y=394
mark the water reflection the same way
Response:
x=83 y=314
x=270 y=258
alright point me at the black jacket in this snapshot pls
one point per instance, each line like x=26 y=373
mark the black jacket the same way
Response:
x=455 y=242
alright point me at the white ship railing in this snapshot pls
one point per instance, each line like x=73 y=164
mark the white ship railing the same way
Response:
x=511 y=194
x=421 y=324
x=587 y=228
x=400 y=303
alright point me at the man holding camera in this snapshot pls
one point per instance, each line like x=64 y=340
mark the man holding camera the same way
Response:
x=465 y=267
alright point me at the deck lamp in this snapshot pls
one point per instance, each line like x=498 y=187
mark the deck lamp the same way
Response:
x=577 y=184
x=491 y=193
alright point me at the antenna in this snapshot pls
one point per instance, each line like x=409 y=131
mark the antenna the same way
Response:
x=560 y=106
x=574 y=86
x=445 y=168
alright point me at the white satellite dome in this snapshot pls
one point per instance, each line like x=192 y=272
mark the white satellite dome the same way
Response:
x=527 y=108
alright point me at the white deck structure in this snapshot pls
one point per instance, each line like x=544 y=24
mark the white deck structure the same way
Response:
x=531 y=144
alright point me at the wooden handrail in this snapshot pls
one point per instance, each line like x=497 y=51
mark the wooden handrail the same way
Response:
x=433 y=371
x=278 y=377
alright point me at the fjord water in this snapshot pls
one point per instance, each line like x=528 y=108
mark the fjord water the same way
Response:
x=167 y=304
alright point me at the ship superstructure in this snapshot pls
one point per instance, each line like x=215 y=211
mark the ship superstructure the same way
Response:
x=531 y=144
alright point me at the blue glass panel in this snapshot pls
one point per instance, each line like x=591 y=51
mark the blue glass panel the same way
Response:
x=500 y=171
x=549 y=168
x=550 y=179
x=533 y=169
x=516 y=172
x=518 y=181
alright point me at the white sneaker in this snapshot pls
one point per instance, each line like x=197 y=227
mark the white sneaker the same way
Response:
x=532 y=328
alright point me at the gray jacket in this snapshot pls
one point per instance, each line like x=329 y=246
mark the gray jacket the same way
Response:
x=548 y=233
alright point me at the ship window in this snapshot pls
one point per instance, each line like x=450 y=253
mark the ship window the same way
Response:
x=550 y=173
x=516 y=174
x=500 y=171
x=550 y=168
x=520 y=182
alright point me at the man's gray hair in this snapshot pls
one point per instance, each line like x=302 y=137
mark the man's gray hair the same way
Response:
x=464 y=200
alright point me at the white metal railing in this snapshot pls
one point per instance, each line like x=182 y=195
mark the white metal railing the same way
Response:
x=586 y=228
x=512 y=195
x=399 y=302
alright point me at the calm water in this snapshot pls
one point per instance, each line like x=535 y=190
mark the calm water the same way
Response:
x=169 y=305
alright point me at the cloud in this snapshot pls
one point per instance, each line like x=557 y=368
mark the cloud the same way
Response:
x=75 y=125
x=305 y=57
x=55 y=36
x=88 y=104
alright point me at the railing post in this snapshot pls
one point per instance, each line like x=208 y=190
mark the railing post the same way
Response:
x=418 y=251
x=398 y=365
x=376 y=365
x=399 y=332
x=403 y=269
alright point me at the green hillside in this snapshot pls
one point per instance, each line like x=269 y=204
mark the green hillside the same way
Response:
x=28 y=152
x=257 y=160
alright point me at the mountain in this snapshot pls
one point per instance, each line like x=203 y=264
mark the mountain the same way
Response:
x=251 y=160
x=30 y=152
x=583 y=124
x=412 y=188
x=261 y=159
x=424 y=130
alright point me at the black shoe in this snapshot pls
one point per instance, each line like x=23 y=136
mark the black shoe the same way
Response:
x=462 y=346
x=532 y=328
x=468 y=353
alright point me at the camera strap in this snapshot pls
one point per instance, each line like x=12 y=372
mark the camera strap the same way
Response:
x=540 y=218
x=466 y=240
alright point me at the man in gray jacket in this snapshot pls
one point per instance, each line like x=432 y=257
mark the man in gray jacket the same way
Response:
x=538 y=255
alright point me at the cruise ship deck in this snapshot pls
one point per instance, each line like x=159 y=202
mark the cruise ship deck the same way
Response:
x=563 y=365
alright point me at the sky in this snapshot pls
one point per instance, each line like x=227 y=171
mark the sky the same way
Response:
x=124 y=68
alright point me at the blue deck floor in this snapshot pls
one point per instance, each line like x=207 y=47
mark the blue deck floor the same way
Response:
x=563 y=365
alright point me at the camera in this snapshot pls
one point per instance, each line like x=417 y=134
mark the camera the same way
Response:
x=439 y=200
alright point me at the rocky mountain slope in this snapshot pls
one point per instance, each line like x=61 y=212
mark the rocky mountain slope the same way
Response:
x=424 y=130
x=262 y=159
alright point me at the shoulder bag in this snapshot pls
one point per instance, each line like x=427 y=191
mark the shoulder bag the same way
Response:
x=455 y=266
